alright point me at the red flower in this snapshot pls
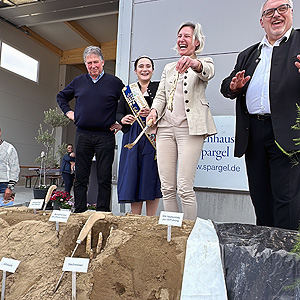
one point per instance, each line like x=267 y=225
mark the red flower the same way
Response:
x=60 y=196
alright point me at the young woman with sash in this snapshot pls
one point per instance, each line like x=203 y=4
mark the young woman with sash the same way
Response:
x=138 y=179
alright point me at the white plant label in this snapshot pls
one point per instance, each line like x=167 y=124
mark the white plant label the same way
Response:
x=9 y=264
x=75 y=264
x=170 y=218
x=60 y=216
x=36 y=204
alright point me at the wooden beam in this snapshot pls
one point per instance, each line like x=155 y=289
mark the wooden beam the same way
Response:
x=109 y=50
x=74 y=56
x=40 y=40
x=82 y=32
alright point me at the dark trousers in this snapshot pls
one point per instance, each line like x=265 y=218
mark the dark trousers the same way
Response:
x=3 y=187
x=103 y=146
x=68 y=181
x=274 y=181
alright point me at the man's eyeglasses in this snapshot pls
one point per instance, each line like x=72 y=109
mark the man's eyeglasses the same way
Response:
x=281 y=9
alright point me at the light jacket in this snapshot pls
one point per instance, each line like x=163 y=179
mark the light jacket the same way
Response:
x=200 y=120
x=9 y=163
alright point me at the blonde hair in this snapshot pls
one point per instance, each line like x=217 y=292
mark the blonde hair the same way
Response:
x=197 y=35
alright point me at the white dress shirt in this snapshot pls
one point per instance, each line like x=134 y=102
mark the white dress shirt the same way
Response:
x=257 y=96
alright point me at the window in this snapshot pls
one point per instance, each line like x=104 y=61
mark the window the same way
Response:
x=9 y=3
x=18 y=62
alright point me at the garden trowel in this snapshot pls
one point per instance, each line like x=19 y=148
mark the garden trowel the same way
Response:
x=82 y=235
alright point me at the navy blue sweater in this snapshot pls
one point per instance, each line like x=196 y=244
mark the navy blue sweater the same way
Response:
x=96 y=103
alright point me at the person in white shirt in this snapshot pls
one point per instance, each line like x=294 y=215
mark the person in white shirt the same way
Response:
x=266 y=85
x=9 y=168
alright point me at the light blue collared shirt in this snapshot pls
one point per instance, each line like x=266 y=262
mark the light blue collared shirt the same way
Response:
x=257 y=96
x=98 y=78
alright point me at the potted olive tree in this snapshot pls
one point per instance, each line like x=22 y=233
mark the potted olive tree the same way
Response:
x=49 y=158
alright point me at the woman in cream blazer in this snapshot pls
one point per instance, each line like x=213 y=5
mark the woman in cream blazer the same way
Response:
x=183 y=118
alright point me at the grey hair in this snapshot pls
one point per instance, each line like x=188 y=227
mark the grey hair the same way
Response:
x=197 y=35
x=262 y=7
x=92 y=50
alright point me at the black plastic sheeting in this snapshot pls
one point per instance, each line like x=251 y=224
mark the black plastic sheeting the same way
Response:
x=258 y=263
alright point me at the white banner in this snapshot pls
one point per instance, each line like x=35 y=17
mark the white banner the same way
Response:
x=217 y=167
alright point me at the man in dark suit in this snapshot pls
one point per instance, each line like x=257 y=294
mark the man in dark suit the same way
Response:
x=266 y=85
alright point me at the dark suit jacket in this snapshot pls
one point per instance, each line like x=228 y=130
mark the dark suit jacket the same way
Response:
x=124 y=109
x=284 y=93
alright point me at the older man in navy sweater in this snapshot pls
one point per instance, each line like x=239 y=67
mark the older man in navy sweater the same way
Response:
x=97 y=95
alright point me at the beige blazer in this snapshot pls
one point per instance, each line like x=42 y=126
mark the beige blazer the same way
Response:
x=200 y=120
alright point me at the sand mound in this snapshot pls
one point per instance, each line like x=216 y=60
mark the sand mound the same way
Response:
x=136 y=261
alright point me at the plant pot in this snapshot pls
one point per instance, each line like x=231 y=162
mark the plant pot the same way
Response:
x=41 y=194
x=56 y=205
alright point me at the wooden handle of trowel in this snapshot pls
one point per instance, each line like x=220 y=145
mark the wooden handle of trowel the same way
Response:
x=88 y=225
x=48 y=195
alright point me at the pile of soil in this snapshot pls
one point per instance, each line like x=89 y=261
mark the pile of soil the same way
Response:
x=136 y=261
